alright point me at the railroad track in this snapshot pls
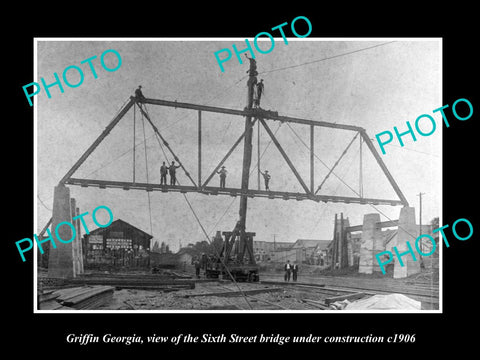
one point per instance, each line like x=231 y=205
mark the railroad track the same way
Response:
x=381 y=286
x=428 y=297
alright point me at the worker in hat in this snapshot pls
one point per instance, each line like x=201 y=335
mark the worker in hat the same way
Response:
x=253 y=66
x=139 y=94
x=223 y=176
x=266 y=178
x=260 y=87
x=172 y=171
x=163 y=174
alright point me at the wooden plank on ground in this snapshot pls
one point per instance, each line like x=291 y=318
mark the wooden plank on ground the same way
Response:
x=47 y=295
x=156 y=287
x=237 y=293
x=53 y=305
x=270 y=282
x=315 y=303
x=88 y=294
x=62 y=294
x=353 y=296
x=126 y=281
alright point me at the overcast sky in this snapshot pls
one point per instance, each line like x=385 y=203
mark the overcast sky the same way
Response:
x=376 y=89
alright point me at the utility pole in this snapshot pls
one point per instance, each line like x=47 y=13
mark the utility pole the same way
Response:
x=274 y=243
x=420 y=219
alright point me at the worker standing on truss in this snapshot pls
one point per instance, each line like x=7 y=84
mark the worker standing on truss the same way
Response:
x=223 y=176
x=259 y=92
x=172 y=170
x=253 y=66
x=163 y=174
x=266 y=178
x=252 y=79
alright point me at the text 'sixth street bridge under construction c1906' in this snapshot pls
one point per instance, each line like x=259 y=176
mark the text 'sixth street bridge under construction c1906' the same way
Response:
x=236 y=259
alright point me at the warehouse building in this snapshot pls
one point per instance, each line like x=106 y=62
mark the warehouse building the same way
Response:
x=117 y=247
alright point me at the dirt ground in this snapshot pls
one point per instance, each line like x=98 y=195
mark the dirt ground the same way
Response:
x=128 y=299
x=281 y=298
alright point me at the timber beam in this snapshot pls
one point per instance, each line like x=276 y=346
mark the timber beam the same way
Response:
x=211 y=190
x=254 y=112
x=381 y=224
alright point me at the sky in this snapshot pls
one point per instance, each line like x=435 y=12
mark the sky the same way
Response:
x=375 y=84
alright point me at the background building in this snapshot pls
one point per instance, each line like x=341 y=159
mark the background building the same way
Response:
x=116 y=247
x=303 y=251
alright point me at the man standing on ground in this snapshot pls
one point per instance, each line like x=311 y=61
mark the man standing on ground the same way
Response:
x=196 y=262
x=288 y=269
x=294 y=271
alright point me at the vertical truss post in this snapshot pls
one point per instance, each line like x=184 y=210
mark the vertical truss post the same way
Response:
x=199 y=148
x=134 y=122
x=312 y=138
x=360 y=171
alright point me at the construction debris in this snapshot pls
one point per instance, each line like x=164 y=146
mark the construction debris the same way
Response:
x=171 y=290
x=339 y=305
x=146 y=282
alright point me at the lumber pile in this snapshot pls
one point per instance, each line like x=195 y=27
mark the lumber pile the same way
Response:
x=162 y=275
x=75 y=298
x=139 y=282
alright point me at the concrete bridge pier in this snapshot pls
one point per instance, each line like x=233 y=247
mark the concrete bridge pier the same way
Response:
x=407 y=232
x=60 y=259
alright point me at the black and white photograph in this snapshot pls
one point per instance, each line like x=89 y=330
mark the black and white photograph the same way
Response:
x=219 y=181
x=253 y=184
